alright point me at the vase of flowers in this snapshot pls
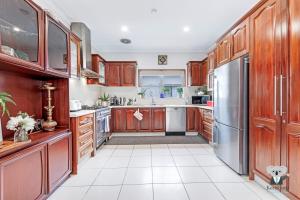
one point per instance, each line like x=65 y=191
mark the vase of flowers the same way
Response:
x=4 y=99
x=104 y=100
x=21 y=124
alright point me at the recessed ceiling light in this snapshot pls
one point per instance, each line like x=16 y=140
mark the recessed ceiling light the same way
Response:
x=124 y=29
x=125 y=41
x=17 y=29
x=153 y=11
x=186 y=29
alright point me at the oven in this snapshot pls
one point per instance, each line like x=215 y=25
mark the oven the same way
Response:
x=102 y=125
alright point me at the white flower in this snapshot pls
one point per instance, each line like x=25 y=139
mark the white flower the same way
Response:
x=24 y=122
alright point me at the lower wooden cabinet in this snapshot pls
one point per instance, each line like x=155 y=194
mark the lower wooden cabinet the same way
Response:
x=154 y=120
x=205 y=123
x=35 y=172
x=158 y=120
x=59 y=161
x=23 y=174
x=192 y=115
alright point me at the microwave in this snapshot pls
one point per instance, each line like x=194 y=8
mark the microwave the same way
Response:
x=202 y=99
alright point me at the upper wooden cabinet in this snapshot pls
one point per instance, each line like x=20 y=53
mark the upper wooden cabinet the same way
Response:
x=98 y=66
x=240 y=39
x=21 y=34
x=197 y=73
x=57 y=57
x=128 y=76
x=120 y=73
x=211 y=61
x=224 y=50
x=75 y=65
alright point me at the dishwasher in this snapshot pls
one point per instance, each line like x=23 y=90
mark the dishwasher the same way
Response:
x=175 y=121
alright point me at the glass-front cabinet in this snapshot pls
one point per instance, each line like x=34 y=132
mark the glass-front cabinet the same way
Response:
x=56 y=47
x=74 y=56
x=21 y=29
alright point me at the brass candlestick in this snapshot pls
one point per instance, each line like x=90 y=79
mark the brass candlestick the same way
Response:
x=49 y=124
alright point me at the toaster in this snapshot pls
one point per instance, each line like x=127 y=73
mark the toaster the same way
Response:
x=75 y=105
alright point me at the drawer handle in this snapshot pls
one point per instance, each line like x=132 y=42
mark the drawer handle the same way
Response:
x=263 y=127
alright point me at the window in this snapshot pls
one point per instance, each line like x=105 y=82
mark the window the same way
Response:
x=162 y=83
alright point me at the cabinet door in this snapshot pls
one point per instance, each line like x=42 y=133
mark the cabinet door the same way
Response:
x=75 y=56
x=240 y=39
x=158 y=119
x=113 y=74
x=21 y=33
x=264 y=113
x=23 y=174
x=145 y=124
x=59 y=161
x=131 y=121
x=194 y=73
x=211 y=61
x=128 y=76
x=291 y=104
x=200 y=121
x=57 y=47
x=119 y=122
x=204 y=73
x=224 y=50
x=192 y=119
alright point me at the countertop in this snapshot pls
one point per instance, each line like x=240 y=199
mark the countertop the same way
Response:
x=159 y=106
x=81 y=113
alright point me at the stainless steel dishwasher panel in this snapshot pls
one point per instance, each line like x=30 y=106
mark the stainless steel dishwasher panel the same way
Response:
x=175 y=119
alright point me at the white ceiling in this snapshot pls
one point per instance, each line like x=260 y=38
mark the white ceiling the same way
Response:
x=160 y=32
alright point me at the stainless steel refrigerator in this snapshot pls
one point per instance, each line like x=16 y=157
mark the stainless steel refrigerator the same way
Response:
x=230 y=131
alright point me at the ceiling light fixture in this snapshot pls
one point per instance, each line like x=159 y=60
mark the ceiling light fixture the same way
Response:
x=186 y=29
x=124 y=29
x=16 y=29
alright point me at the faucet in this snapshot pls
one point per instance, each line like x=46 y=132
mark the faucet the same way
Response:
x=152 y=98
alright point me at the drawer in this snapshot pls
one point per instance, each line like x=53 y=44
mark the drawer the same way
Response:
x=85 y=139
x=86 y=149
x=86 y=119
x=207 y=126
x=207 y=135
x=86 y=129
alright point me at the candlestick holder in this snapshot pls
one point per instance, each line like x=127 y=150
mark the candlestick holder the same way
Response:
x=49 y=124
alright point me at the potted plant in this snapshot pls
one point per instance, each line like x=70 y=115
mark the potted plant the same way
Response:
x=4 y=99
x=180 y=92
x=21 y=124
x=142 y=93
x=104 y=100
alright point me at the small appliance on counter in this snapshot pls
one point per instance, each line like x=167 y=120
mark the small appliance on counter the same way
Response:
x=75 y=105
x=201 y=99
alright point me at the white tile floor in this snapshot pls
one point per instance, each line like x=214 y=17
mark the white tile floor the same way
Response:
x=158 y=172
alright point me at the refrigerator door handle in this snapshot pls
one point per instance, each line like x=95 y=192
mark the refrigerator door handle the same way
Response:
x=216 y=135
x=275 y=95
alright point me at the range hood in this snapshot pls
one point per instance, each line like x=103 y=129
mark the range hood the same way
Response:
x=84 y=33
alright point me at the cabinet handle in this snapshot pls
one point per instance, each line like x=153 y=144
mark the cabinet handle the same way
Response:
x=275 y=95
x=263 y=127
x=281 y=94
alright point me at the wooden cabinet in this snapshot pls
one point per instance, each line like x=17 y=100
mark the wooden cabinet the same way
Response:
x=158 y=120
x=224 y=50
x=23 y=174
x=120 y=73
x=207 y=124
x=197 y=73
x=75 y=65
x=192 y=117
x=128 y=76
x=57 y=56
x=131 y=121
x=21 y=34
x=211 y=61
x=98 y=66
x=240 y=39
x=145 y=123
x=59 y=160
x=83 y=139
x=193 y=73
x=118 y=119
x=264 y=117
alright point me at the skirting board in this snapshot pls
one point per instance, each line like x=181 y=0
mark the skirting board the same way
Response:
x=266 y=185
x=139 y=134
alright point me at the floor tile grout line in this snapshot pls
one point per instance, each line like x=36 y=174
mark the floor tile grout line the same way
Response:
x=187 y=194
x=257 y=194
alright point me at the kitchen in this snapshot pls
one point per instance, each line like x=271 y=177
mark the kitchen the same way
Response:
x=132 y=101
